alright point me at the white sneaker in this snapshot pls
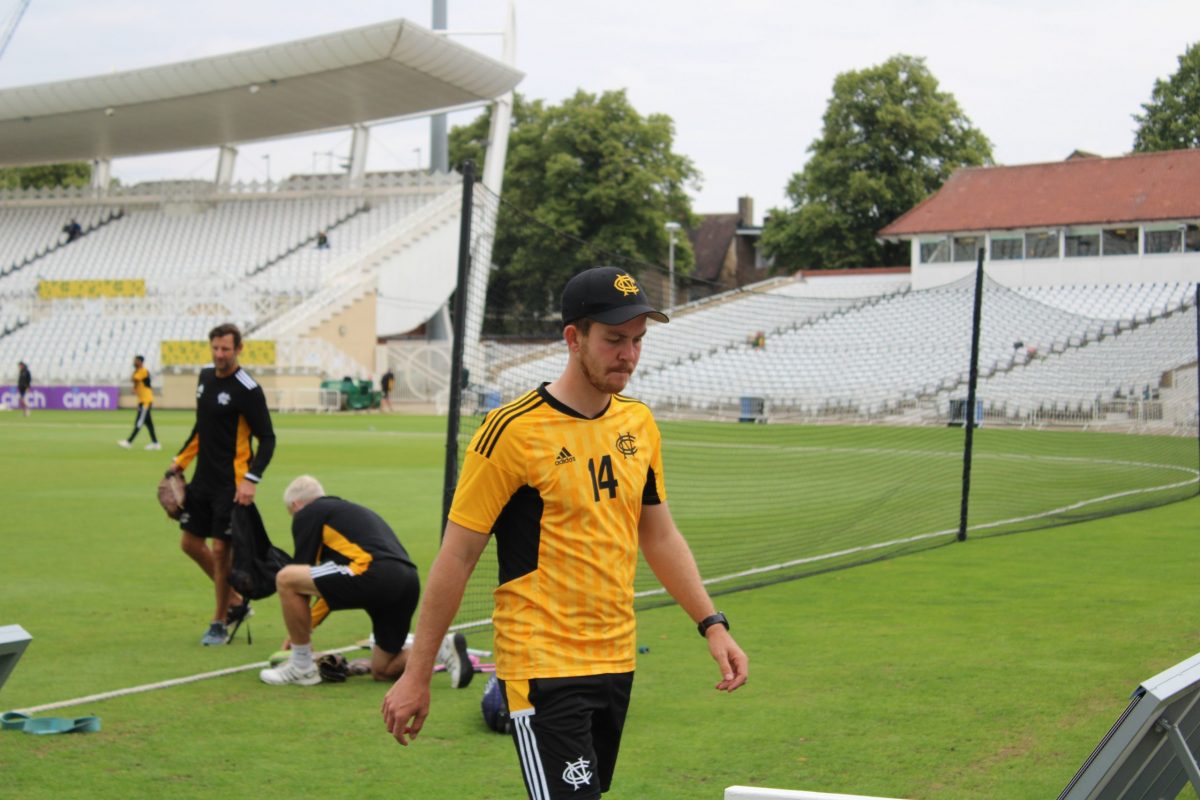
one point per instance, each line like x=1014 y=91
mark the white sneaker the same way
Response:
x=123 y=443
x=154 y=446
x=290 y=673
x=453 y=653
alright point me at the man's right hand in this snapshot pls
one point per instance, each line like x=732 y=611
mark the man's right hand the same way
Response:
x=406 y=705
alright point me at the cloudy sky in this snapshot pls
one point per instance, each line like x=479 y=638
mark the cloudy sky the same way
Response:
x=746 y=81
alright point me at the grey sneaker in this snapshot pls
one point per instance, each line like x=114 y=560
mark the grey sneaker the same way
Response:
x=453 y=653
x=290 y=673
x=123 y=443
x=217 y=634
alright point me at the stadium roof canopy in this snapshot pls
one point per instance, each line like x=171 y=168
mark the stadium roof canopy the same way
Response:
x=1079 y=191
x=384 y=71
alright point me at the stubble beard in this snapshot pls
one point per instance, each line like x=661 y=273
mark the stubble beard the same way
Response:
x=602 y=381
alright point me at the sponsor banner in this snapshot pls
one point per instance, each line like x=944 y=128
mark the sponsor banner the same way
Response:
x=190 y=353
x=64 y=398
x=91 y=289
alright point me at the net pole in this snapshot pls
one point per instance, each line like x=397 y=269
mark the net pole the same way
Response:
x=969 y=411
x=456 y=353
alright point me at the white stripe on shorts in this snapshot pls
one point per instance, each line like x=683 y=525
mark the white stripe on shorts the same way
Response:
x=329 y=568
x=531 y=760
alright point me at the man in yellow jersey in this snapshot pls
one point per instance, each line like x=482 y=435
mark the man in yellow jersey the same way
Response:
x=569 y=479
x=145 y=399
x=230 y=409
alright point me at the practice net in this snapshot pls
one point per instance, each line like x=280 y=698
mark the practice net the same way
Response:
x=811 y=423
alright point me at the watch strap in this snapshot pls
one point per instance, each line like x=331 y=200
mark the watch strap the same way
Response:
x=715 y=619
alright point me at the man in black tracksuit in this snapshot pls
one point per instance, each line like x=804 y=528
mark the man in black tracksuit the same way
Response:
x=231 y=409
x=346 y=556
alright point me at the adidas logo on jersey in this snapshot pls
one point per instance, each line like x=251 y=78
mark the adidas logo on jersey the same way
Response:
x=564 y=457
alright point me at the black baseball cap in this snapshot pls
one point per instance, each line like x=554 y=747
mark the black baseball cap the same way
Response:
x=607 y=295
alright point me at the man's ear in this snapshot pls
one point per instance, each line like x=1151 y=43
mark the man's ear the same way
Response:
x=572 y=336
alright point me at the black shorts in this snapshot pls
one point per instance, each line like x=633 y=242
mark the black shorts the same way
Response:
x=208 y=513
x=567 y=732
x=387 y=591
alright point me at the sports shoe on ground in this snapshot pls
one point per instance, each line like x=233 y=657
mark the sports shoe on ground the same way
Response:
x=123 y=443
x=217 y=634
x=359 y=666
x=332 y=668
x=453 y=653
x=154 y=446
x=290 y=673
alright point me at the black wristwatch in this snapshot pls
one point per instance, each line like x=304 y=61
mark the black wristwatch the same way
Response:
x=706 y=623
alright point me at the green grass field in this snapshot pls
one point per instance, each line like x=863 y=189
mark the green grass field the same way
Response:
x=987 y=669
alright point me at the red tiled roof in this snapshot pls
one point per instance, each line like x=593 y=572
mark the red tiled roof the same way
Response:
x=1138 y=188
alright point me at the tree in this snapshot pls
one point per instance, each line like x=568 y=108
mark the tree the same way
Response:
x=1172 y=118
x=588 y=182
x=890 y=139
x=75 y=173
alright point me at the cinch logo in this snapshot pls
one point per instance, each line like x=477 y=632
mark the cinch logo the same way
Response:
x=33 y=399
x=626 y=285
x=75 y=399
x=564 y=457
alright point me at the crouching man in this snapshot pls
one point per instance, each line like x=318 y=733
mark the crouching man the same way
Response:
x=346 y=556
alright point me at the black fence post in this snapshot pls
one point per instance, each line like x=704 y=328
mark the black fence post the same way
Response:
x=969 y=411
x=456 y=353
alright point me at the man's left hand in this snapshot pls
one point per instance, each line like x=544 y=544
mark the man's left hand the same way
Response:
x=733 y=663
x=245 y=492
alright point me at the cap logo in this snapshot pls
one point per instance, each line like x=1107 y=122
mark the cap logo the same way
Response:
x=626 y=285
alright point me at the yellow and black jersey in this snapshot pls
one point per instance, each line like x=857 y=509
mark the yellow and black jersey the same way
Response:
x=333 y=530
x=229 y=411
x=141 y=386
x=563 y=495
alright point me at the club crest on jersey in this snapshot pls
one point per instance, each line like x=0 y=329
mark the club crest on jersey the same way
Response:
x=223 y=398
x=626 y=285
x=199 y=391
x=627 y=444
x=577 y=773
x=564 y=457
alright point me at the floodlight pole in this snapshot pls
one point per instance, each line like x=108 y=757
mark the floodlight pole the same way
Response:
x=439 y=142
x=969 y=411
x=671 y=227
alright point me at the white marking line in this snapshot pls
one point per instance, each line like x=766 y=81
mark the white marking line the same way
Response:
x=149 y=687
x=97 y=426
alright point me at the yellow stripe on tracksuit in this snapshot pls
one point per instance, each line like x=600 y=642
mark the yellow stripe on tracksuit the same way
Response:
x=359 y=559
